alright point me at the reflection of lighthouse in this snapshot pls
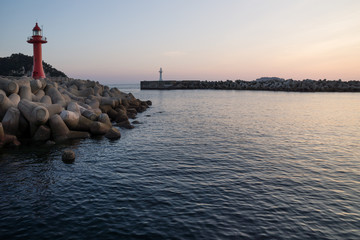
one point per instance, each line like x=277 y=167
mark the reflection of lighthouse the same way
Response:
x=160 y=79
x=37 y=39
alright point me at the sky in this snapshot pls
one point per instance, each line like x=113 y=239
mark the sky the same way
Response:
x=127 y=41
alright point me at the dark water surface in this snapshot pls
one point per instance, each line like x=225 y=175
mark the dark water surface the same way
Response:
x=203 y=164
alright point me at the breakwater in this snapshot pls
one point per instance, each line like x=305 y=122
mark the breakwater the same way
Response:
x=268 y=84
x=170 y=84
x=58 y=109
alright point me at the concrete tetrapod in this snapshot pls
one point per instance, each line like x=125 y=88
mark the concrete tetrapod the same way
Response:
x=88 y=112
x=55 y=95
x=46 y=99
x=109 y=101
x=99 y=128
x=5 y=104
x=61 y=132
x=84 y=124
x=24 y=127
x=35 y=85
x=27 y=105
x=104 y=118
x=93 y=103
x=109 y=111
x=113 y=134
x=23 y=81
x=70 y=118
x=9 y=86
x=72 y=96
x=25 y=93
x=33 y=112
x=37 y=97
x=15 y=99
x=43 y=133
x=10 y=121
x=6 y=138
x=73 y=106
x=81 y=93
x=52 y=108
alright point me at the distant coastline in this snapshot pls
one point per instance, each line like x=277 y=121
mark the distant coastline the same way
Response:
x=261 y=84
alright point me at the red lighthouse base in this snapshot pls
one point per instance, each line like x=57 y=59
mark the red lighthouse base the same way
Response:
x=38 y=70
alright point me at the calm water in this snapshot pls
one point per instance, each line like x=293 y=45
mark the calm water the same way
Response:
x=203 y=164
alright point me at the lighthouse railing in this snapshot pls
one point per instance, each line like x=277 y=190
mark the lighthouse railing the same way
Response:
x=42 y=38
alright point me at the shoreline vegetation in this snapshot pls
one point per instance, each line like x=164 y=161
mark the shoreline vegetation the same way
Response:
x=58 y=109
x=261 y=84
x=19 y=65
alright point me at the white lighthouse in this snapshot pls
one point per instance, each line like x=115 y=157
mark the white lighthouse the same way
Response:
x=160 y=79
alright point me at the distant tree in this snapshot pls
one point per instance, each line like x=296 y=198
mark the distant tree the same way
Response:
x=19 y=64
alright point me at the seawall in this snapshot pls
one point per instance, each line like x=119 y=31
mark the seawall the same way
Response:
x=170 y=84
x=266 y=84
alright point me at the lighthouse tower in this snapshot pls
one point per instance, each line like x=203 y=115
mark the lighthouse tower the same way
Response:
x=37 y=39
x=160 y=79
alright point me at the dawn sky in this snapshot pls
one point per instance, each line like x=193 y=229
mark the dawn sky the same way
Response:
x=128 y=41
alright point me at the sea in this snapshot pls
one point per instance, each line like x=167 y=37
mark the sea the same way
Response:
x=199 y=164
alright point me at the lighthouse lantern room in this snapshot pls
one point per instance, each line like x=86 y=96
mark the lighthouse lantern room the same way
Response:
x=37 y=39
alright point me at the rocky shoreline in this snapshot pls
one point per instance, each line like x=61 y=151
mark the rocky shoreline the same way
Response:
x=262 y=84
x=54 y=110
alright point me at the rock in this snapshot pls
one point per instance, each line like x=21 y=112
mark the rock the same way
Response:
x=68 y=156
x=136 y=122
x=113 y=134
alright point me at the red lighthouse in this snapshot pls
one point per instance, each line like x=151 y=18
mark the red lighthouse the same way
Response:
x=37 y=39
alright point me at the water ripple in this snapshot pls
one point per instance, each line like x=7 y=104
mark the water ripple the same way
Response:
x=204 y=165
